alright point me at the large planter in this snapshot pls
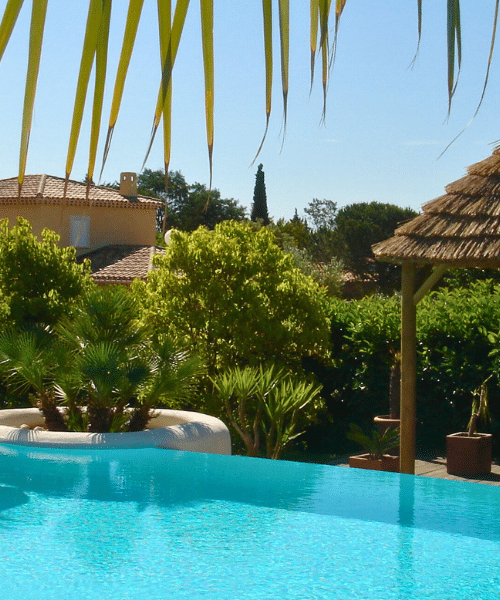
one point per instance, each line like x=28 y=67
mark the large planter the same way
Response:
x=468 y=455
x=386 y=463
x=383 y=423
x=173 y=429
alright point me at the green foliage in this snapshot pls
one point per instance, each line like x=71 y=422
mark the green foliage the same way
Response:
x=376 y=444
x=327 y=275
x=100 y=363
x=188 y=206
x=232 y=295
x=322 y=213
x=358 y=227
x=265 y=402
x=39 y=280
x=457 y=341
x=259 y=206
x=454 y=351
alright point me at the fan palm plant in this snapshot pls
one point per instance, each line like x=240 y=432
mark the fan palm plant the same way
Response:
x=102 y=365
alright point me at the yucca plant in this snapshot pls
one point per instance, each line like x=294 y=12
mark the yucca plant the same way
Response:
x=264 y=403
x=101 y=364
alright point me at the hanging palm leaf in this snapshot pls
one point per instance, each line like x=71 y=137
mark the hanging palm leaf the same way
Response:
x=133 y=17
x=207 y=36
x=38 y=14
x=101 y=60
x=8 y=21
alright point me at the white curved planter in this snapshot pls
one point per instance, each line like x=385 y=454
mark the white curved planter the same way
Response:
x=173 y=429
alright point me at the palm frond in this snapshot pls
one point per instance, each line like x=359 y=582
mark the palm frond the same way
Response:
x=9 y=19
x=175 y=37
x=101 y=60
x=88 y=53
x=133 y=17
x=38 y=13
x=207 y=35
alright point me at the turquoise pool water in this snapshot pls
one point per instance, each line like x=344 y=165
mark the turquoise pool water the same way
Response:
x=155 y=524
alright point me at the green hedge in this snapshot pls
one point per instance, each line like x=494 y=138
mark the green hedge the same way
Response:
x=453 y=354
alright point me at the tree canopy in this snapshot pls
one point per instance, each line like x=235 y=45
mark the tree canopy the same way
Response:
x=188 y=205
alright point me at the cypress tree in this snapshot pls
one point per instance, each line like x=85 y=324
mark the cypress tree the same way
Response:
x=259 y=206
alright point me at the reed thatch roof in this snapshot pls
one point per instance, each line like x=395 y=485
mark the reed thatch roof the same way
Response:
x=460 y=228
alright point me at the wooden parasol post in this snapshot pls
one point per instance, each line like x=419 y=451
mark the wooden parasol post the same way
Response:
x=408 y=369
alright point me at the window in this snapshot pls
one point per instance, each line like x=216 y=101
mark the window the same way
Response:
x=79 y=231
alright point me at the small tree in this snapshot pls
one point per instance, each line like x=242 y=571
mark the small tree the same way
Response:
x=259 y=206
x=39 y=280
x=234 y=296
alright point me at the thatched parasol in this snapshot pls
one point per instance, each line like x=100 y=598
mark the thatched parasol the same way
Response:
x=459 y=229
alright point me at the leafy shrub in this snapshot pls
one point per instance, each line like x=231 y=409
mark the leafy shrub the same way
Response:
x=234 y=297
x=39 y=280
x=454 y=357
x=327 y=275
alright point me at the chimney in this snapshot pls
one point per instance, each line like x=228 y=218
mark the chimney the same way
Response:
x=128 y=184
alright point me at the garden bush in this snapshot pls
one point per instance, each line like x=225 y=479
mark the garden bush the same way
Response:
x=457 y=332
x=39 y=280
x=236 y=298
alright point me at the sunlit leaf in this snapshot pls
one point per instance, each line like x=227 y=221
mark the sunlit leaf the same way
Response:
x=38 y=14
x=492 y=46
x=133 y=17
x=313 y=36
x=100 y=80
x=324 y=14
x=419 y=28
x=207 y=36
x=165 y=29
x=267 y=13
x=454 y=47
x=9 y=19
x=88 y=54
x=284 y=11
x=175 y=36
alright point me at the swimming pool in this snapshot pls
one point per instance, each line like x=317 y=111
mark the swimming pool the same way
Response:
x=153 y=524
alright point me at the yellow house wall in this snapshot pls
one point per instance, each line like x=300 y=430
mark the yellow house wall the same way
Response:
x=107 y=225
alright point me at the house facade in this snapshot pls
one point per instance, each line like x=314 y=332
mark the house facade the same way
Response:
x=106 y=225
x=84 y=218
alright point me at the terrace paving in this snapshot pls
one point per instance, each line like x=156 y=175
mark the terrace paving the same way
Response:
x=430 y=466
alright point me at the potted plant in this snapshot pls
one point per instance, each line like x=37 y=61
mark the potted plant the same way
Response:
x=99 y=370
x=469 y=453
x=377 y=446
x=393 y=418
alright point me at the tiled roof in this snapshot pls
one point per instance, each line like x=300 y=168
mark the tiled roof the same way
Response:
x=47 y=189
x=120 y=263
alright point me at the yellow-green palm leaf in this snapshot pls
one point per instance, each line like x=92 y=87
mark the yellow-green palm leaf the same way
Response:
x=101 y=59
x=88 y=53
x=168 y=64
x=165 y=30
x=8 y=21
x=207 y=36
x=133 y=17
x=38 y=14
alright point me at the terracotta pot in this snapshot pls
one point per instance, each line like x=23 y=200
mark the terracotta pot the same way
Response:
x=386 y=463
x=384 y=422
x=468 y=455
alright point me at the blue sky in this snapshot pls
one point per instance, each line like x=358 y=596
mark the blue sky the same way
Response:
x=386 y=124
